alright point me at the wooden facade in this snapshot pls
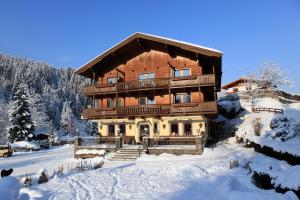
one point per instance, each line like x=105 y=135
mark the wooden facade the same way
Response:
x=150 y=76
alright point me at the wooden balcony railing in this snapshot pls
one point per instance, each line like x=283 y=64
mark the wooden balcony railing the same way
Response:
x=94 y=113
x=152 y=110
x=145 y=84
x=205 y=107
x=143 y=110
x=192 y=80
x=157 y=83
x=99 y=89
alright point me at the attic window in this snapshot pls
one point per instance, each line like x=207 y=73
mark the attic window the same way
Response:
x=112 y=80
x=181 y=72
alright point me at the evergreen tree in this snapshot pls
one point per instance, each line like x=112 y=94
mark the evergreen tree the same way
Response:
x=91 y=128
x=22 y=126
x=66 y=117
x=39 y=114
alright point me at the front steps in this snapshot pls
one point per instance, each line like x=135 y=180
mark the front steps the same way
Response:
x=126 y=154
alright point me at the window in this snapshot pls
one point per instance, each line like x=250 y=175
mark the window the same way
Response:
x=110 y=103
x=146 y=76
x=183 y=98
x=111 y=130
x=112 y=80
x=150 y=100
x=174 y=129
x=181 y=72
x=146 y=100
x=155 y=128
x=187 y=129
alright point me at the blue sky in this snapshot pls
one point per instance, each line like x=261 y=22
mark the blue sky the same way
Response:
x=70 y=33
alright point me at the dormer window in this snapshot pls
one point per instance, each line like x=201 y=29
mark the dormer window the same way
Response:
x=181 y=72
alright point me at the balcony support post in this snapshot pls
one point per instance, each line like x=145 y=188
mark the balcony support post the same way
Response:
x=94 y=103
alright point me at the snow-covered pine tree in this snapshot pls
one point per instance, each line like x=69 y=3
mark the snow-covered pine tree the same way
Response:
x=91 y=128
x=66 y=117
x=38 y=113
x=3 y=122
x=22 y=126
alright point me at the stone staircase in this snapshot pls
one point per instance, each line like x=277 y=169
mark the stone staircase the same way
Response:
x=126 y=154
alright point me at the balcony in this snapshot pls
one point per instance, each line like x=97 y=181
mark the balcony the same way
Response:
x=151 y=84
x=152 y=110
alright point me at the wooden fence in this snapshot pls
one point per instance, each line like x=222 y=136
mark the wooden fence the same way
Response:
x=260 y=109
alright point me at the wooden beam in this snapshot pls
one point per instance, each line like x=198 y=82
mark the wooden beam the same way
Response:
x=142 y=45
x=119 y=58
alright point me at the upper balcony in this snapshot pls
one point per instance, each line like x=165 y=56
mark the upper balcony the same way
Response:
x=152 y=110
x=150 y=84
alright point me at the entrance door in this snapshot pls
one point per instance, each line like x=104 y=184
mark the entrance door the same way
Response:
x=144 y=131
x=122 y=128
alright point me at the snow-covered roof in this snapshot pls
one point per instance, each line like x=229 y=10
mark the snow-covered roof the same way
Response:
x=234 y=83
x=183 y=45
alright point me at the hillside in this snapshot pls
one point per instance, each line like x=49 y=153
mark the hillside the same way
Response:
x=49 y=89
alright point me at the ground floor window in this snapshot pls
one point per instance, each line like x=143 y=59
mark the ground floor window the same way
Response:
x=187 y=129
x=174 y=129
x=111 y=130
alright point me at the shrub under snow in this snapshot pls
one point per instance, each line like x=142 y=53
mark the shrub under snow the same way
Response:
x=229 y=105
x=257 y=126
x=282 y=128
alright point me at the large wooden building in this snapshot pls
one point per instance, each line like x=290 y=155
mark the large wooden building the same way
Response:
x=153 y=86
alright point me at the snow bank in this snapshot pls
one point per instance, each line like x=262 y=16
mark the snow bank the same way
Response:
x=290 y=178
x=90 y=151
x=291 y=111
x=9 y=188
x=25 y=144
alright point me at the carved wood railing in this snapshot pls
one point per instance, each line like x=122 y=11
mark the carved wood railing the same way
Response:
x=144 y=110
x=157 y=83
x=99 y=89
x=92 y=113
x=192 y=80
x=145 y=84
x=152 y=110
x=204 y=107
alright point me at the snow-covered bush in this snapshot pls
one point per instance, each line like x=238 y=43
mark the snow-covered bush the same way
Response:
x=257 y=126
x=229 y=105
x=282 y=128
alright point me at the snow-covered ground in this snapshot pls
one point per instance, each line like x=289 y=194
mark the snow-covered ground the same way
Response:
x=152 y=177
x=32 y=162
x=172 y=177
x=245 y=129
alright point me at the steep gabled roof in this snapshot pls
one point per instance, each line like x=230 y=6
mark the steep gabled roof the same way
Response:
x=180 y=44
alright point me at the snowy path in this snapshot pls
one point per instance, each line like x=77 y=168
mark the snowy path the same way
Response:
x=163 y=177
x=31 y=162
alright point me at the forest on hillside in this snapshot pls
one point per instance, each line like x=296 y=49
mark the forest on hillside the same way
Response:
x=54 y=95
